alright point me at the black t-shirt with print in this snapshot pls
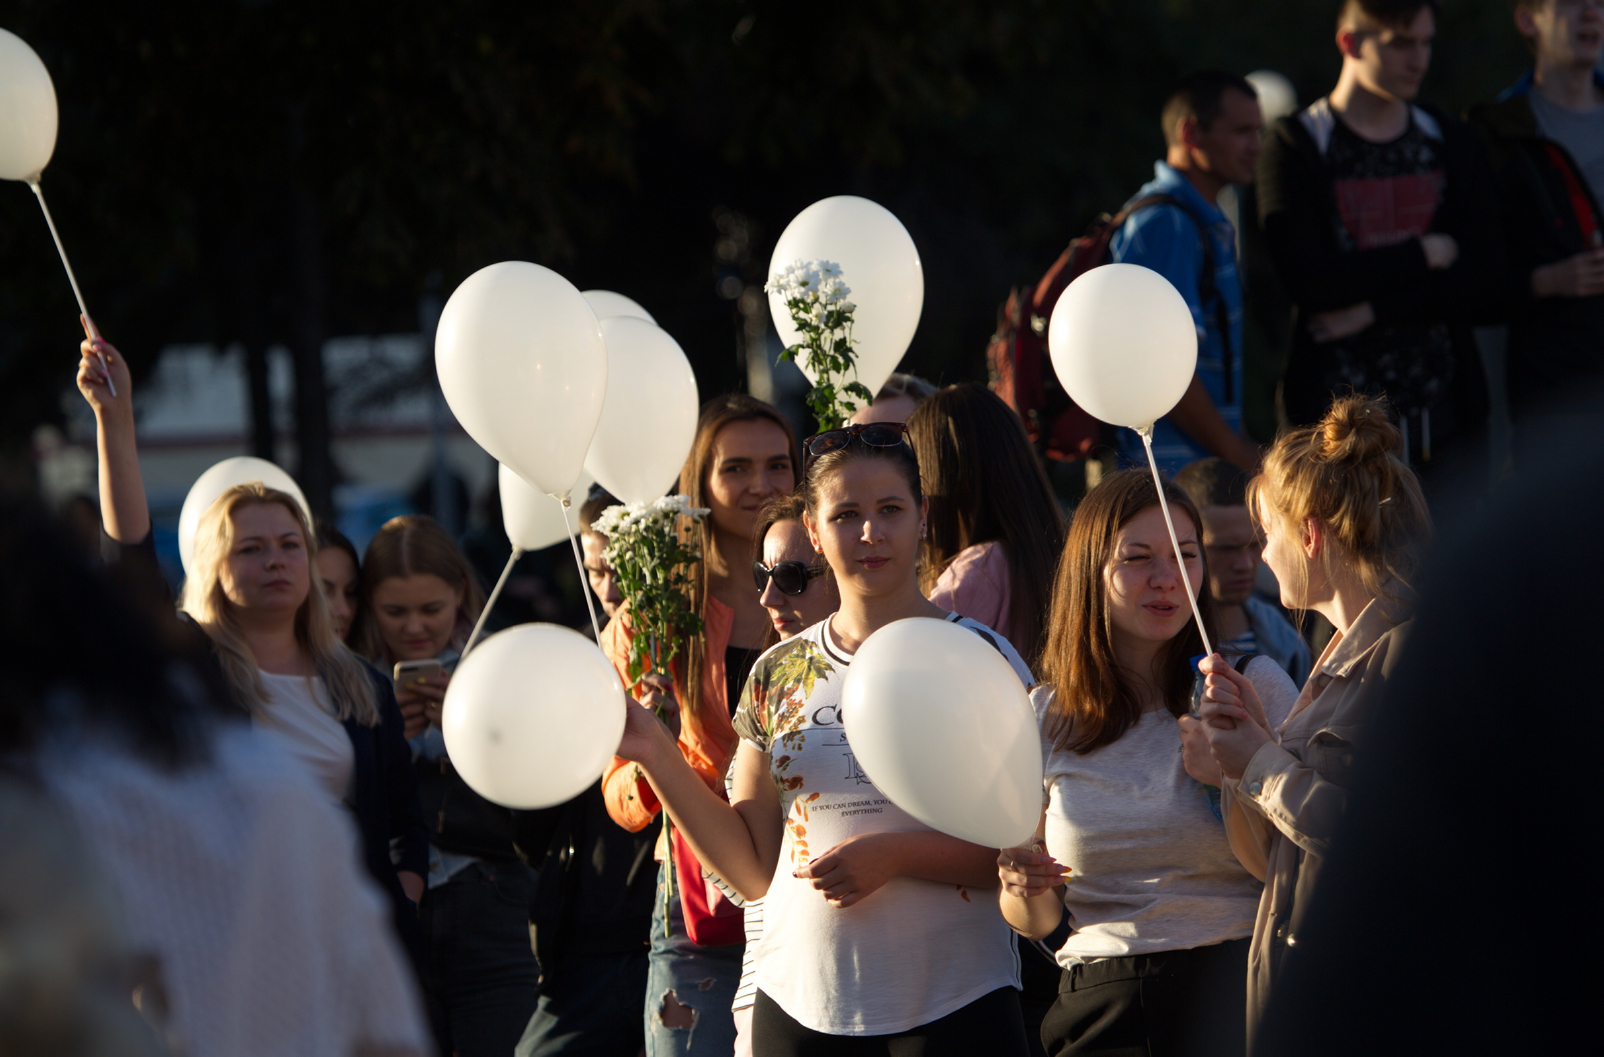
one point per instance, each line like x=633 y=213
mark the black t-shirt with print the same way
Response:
x=1387 y=193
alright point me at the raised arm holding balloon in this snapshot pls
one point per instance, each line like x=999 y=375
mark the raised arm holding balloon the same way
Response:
x=862 y=889
x=124 y=510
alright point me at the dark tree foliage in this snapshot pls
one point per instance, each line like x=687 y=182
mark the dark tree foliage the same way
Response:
x=278 y=171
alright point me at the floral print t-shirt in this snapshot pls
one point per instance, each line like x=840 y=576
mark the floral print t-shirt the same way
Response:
x=910 y=953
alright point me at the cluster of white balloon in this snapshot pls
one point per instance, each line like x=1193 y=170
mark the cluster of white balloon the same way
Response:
x=564 y=388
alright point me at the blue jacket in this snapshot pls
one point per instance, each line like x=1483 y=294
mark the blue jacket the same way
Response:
x=1160 y=238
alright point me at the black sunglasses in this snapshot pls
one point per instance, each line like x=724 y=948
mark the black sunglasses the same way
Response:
x=874 y=434
x=790 y=577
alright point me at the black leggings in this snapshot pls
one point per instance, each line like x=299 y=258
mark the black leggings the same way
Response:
x=990 y=1025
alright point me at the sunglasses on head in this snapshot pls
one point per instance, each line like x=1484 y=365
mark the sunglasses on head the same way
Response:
x=790 y=577
x=873 y=434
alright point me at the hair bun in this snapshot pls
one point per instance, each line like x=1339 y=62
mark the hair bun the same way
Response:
x=1358 y=429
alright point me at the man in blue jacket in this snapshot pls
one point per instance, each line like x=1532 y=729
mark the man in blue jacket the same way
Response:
x=1212 y=127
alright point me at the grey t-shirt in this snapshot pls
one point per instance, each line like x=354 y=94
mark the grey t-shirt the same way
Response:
x=1152 y=867
x=1579 y=131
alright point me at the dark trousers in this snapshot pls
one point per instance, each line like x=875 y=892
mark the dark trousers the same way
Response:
x=1175 y=1004
x=989 y=1025
x=589 y=1005
x=481 y=978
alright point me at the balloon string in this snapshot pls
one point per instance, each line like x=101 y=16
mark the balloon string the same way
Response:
x=490 y=603
x=579 y=560
x=1158 y=484
x=39 y=193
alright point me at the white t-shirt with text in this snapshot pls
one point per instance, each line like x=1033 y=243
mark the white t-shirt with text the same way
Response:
x=910 y=953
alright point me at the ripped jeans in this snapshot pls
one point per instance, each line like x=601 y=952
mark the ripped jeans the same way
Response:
x=689 y=988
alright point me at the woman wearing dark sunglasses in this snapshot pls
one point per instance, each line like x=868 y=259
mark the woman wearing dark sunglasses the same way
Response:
x=880 y=935
x=793 y=582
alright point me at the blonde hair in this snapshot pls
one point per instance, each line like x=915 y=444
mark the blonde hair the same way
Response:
x=1345 y=473
x=414 y=545
x=344 y=675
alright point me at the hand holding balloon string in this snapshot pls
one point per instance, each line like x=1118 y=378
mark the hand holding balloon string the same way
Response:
x=1232 y=717
x=1028 y=871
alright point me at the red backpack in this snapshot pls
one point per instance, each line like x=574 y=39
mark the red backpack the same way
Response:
x=1017 y=357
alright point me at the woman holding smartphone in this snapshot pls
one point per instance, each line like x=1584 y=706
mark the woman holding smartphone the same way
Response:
x=880 y=935
x=1161 y=908
x=1344 y=522
x=420 y=598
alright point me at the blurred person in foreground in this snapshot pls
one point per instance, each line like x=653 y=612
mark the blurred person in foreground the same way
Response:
x=1546 y=136
x=1245 y=623
x=1380 y=216
x=1212 y=126
x=250 y=926
x=1345 y=524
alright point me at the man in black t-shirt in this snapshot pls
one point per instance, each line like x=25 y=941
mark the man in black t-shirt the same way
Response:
x=1378 y=215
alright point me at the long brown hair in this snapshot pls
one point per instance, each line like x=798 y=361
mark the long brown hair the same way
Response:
x=1345 y=472
x=344 y=675
x=693 y=482
x=985 y=484
x=1095 y=701
x=410 y=546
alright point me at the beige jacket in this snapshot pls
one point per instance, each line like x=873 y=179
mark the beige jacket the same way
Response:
x=1281 y=814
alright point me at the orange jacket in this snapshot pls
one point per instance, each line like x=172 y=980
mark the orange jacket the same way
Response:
x=708 y=742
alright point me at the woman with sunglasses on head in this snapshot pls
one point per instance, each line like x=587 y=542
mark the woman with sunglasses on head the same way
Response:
x=881 y=935
x=1161 y=908
x=995 y=528
x=743 y=455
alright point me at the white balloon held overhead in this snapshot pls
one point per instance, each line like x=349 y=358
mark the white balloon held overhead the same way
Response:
x=533 y=519
x=243 y=469
x=27 y=111
x=880 y=264
x=521 y=362
x=649 y=418
x=1124 y=344
x=607 y=304
x=941 y=724
x=532 y=716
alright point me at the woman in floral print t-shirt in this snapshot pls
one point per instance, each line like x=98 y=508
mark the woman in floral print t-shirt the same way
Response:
x=876 y=926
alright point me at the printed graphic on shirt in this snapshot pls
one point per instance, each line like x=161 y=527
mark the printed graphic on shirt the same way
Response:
x=1389 y=193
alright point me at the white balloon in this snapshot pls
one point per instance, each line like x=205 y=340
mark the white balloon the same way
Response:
x=532 y=716
x=607 y=304
x=1277 y=97
x=27 y=111
x=533 y=519
x=521 y=362
x=942 y=725
x=1124 y=344
x=649 y=418
x=880 y=264
x=242 y=469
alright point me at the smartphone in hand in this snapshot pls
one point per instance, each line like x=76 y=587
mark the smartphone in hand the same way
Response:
x=410 y=673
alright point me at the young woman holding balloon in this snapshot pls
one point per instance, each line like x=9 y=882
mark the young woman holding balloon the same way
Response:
x=1344 y=522
x=876 y=940
x=1161 y=908
x=420 y=598
x=995 y=528
x=743 y=455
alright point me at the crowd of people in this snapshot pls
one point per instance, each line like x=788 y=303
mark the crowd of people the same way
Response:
x=259 y=832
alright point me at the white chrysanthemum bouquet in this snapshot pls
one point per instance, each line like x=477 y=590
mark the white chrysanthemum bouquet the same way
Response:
x=817 y=300
x=651 y=548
